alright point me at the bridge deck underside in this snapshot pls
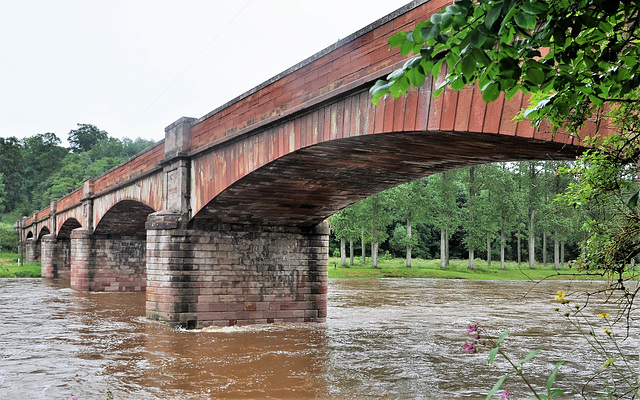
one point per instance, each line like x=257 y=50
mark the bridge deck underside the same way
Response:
x=305 y=187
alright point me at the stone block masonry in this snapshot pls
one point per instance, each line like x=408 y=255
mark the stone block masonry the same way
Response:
x=107 y=263
x=222 y=274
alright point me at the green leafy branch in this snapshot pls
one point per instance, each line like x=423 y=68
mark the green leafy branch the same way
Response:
x=518 y=371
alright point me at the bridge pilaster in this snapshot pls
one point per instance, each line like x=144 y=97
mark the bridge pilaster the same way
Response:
x=176 y=166
x=87 y=205
x=52 y=217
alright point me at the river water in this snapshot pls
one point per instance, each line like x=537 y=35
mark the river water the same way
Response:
x=384 y=338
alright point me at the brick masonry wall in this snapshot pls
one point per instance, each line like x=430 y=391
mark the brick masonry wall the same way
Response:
x=32 y=252
x=56 y=258
x=48 y=262
x=107 y=264
x=121 y=262
x=237 y=274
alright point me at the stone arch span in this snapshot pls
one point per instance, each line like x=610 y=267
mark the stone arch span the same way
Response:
x=126 y=218
x=56 y=260
x=64 y=232
x=113 y=256
x=43 y=231
x=312 y=166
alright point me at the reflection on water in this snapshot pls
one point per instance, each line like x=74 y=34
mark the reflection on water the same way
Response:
x=402 y=338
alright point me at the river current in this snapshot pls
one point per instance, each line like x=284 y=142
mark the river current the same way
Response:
x=384 y=338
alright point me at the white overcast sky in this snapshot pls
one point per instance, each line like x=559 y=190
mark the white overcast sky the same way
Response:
x=132 y=67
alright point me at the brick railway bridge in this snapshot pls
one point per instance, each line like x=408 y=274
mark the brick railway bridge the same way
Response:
x=222 y=221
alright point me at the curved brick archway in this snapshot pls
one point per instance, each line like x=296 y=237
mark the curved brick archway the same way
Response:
x=305 y=187
x=127 y=217
x=43 y=231
x=64 y=232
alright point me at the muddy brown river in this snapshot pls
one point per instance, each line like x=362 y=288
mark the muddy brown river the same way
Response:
x=384 y=338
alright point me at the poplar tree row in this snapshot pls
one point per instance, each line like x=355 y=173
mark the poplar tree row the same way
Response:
x=495 y=212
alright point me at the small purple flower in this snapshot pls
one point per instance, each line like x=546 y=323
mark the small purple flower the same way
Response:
x=469 y=347
x=473 y=328
x=504 y=395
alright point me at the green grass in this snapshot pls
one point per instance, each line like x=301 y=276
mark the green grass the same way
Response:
x=458 y=269
x=9 y=267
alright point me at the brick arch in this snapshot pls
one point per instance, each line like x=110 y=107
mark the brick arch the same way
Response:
x=43 y=231
x=306 y=186
x=302 y=170
x=29 y=234
x=64 y=232
x=125 y=217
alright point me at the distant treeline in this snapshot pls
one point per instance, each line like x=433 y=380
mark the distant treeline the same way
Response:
x=36 y=169
x=496 y=212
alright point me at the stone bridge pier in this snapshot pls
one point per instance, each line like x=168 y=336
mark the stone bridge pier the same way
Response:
x=227 y=274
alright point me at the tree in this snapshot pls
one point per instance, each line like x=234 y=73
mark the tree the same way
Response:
x=407 y=203
x=375 y=219
x=343 y=225
x=45 y=157
x=506 y=199
x=2 y=192
x=444 y=209
x=85 y=138
x=11 y=167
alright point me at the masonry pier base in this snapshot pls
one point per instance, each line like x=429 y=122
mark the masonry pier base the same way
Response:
x=55 y=260
x=226 y=274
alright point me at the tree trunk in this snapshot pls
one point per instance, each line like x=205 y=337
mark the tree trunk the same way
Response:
x=502 y=240
x=556 y=253
x=532 y=239
x=443 y=248
x=409 y=243
x=532 y=216
x=472 y=195
x=374 y=247
x=446 y=247
x=562 y=259
x=544 y=248
x=351 y=252
x=374 y=253
x=343 y=252
x=518 y=237
x=364 y=249
x=488 y=251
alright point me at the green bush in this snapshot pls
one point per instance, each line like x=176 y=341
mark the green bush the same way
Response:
x=8 y=237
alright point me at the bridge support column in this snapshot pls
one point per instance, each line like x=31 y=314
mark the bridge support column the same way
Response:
x=221 y=274
x=32 y=250
x=50 y=257
x=83 y=260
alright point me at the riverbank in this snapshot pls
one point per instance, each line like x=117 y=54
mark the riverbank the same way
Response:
x=9 y=267
x=458 y=269
x=388 y=268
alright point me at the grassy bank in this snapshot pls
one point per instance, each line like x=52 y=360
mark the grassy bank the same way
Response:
x=458 y=269
x=9 y=267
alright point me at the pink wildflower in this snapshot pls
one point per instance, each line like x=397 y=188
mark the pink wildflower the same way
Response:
x=469 y=348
